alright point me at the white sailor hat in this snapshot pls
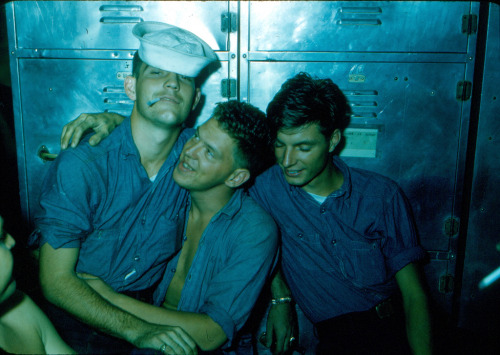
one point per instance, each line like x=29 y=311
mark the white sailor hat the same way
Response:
x=173 y=49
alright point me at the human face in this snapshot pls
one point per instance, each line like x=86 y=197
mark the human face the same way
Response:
x=303 y=153
x=177 y=95
x=207 y=159
x=7 y=283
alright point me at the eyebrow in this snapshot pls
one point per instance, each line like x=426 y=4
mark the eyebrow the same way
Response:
x=304 y=142
x=211 y=147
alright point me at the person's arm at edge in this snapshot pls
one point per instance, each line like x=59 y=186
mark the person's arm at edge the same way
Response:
x=62 y=287
x=51 y=340
x=101 y=123
x=204 y=331
x=281 y=318
x=416 y=307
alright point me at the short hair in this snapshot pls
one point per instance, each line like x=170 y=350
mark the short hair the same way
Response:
x=248 y=126
x=136 y=65
x=304 y=100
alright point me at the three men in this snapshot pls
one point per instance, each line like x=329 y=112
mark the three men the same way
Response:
x=349 y=246
x=113 y=211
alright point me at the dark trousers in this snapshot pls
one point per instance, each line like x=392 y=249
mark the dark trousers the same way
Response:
x=364 y=333
x=87 y=340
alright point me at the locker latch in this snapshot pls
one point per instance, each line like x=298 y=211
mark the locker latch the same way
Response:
x=228 y=22
x=464 y=89
x=469 y=24
x=446 y=283
x=228 y=88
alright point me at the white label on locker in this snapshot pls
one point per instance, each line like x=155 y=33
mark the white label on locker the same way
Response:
x=360 y=142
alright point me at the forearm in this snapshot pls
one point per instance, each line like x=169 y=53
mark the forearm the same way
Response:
x=279 y=287
x=207 y=334
x=90 y=307
x=418 y=326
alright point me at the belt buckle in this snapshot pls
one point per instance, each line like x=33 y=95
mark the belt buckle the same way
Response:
x=384 y=309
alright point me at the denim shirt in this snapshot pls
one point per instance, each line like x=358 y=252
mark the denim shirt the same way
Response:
x=234 y=257
x=340 y=256
x=101 y=200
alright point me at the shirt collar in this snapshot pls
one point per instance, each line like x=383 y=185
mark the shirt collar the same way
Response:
x=346 y=187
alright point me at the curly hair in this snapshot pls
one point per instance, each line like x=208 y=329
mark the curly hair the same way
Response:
x=248 y=126
x=304 y=100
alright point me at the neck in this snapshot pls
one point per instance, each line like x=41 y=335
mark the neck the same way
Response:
x=154 y=143
x=205 y=204
x=328 y=181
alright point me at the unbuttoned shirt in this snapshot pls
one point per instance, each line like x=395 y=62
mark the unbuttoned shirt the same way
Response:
x=101 y=200
x=340 y=256
x=234 y=257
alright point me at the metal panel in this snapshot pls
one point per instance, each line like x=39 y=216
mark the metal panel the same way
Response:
x=357 y=26
x=99 y=24
x=479 y=308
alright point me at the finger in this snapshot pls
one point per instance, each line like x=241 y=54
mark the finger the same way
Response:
x=98 y=137
x=179 y=343
x=69 y=129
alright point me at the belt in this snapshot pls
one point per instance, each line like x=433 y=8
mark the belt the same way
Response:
x=384 y=310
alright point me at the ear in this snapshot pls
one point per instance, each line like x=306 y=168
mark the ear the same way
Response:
x=129 y=85
x=334 y=140
x=237 y=178
x=197 y=98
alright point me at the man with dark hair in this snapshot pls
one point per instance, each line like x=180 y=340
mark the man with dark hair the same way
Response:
x=113 y=211
x=348 y=239
x=229 y=241
x=349 y=248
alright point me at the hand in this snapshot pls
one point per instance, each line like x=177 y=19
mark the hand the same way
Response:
x=102 y=124
x=281 y=327
x=167 y=339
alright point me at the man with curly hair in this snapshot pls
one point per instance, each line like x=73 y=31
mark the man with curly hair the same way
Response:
x=229 y=241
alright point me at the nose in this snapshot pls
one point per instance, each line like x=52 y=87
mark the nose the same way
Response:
x=288 y=158
x=192 y=147
x=172 y=81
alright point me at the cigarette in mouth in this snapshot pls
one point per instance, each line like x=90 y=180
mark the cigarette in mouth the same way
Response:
x=152 y=102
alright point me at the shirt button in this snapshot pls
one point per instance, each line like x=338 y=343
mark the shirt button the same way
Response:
x=137 y=258
x=172 y=269
x=300 y=235
x=334 y=241
x=322 y=210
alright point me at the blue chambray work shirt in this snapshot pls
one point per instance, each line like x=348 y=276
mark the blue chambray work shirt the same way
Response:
x=340 y=256
x=234 y=257
x=101 y=200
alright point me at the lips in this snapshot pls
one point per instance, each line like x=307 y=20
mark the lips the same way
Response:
x=292 y=173
x=185 y=167
x=169 y=98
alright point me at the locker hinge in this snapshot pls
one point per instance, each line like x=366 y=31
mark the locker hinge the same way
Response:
x=469 y=24
x=464 y=89
x=228 y=22
x=228 y=88
x=446 y=283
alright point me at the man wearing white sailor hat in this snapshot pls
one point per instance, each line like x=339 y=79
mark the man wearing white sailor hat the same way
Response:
x=111 y=211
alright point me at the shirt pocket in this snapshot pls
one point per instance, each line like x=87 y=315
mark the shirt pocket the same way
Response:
x=309 y=250
x=169 y=237
x=362 y=262
x=96 y=249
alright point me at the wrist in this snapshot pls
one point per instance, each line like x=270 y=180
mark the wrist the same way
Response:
x=281 y=300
